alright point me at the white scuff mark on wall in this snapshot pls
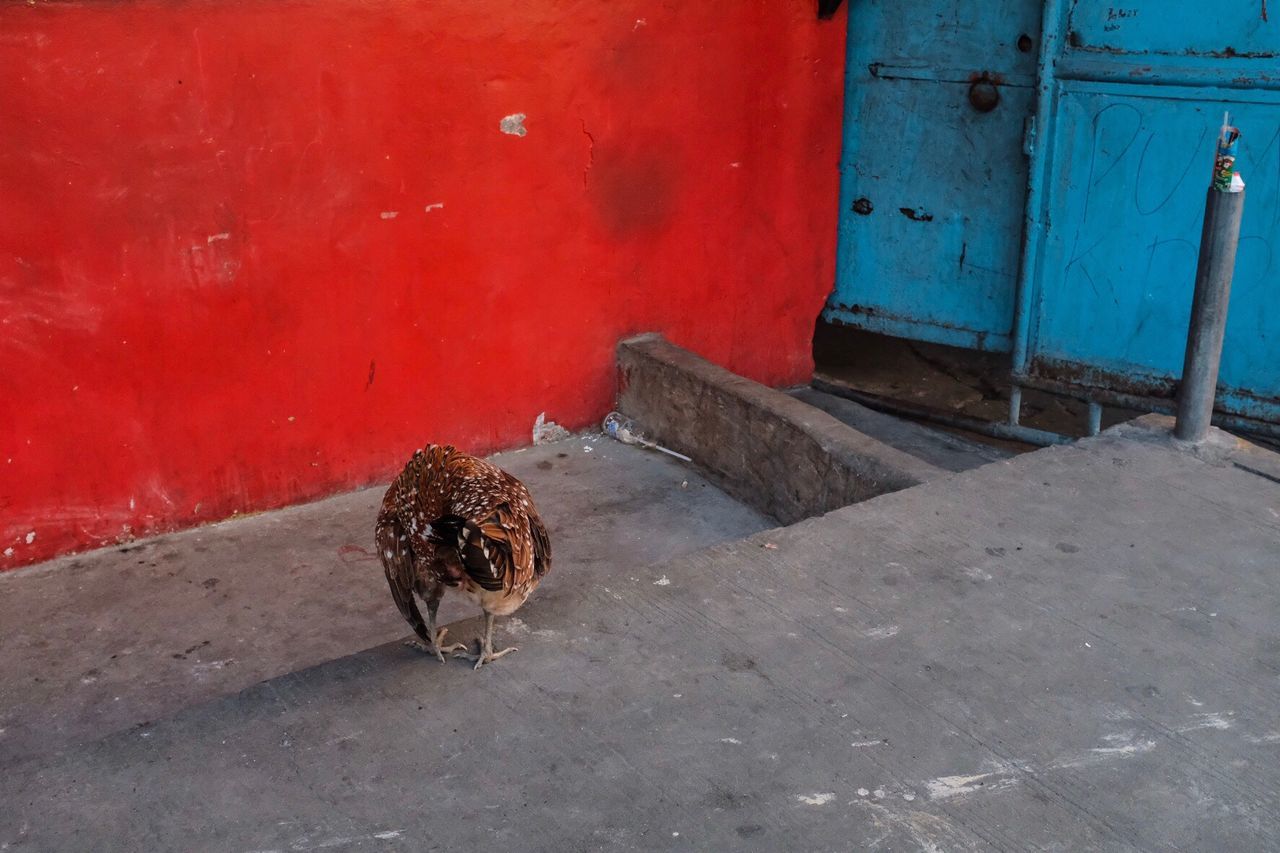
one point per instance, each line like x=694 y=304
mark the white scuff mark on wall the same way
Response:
x=546 y=432
x=1269 y=737
x=435 y=205
x=881 y=632
x=31 y=537
x=8 y=552
x=732 y=740
x=640 y=22
x=662 y=581
x=859 y=744
x=815 y=799
x=223 y=235
x=389 y=214
x=513 y=125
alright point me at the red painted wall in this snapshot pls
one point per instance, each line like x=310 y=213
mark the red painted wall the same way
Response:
x=255 y=252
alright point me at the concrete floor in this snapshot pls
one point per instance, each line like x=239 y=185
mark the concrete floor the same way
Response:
x=103 y=641
x=1073 y=649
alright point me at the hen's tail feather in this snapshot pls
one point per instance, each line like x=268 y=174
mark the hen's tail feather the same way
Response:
x=477 y=552
x=397 y=562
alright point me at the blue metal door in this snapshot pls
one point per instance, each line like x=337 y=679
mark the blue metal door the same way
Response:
x=933 y=172
x=938 y=192
x=1138 y=95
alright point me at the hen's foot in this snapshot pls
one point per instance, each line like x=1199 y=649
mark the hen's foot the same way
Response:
x=435 y=648
x=482 y=657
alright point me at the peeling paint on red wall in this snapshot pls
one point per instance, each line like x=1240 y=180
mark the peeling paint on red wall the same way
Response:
x=255 y=253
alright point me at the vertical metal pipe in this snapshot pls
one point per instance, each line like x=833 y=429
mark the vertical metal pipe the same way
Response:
x=1095 y=418
x=1218 y=241
x=1037 y=148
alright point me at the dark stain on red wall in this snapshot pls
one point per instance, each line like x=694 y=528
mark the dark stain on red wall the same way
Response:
x=634 y=191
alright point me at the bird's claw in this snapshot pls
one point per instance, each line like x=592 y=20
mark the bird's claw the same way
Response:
x=424 y=647
x=435 y=648
x=481 y=657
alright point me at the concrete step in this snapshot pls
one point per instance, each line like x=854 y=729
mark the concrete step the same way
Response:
x=783 y=456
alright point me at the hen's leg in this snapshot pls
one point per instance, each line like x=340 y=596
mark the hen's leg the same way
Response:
x=437 y=636
x=487 y=654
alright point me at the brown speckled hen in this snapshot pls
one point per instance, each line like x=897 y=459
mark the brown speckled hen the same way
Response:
x=452 y=520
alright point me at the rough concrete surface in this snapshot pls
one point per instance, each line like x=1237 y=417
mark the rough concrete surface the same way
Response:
x=1075 y=649
x=116 y=637
x=788 y=459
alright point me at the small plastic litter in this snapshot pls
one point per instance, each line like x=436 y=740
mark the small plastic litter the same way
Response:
x=624 y=430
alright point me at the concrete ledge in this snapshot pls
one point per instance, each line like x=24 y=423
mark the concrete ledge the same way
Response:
x=780 y=455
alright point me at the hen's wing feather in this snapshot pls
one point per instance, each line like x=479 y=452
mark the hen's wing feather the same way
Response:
x=397 y=562
x=541 y=545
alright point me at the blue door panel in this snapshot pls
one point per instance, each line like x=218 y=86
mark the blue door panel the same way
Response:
x=1127 y=200
x=932 y=189
x=1129 y=167
x=928 y=242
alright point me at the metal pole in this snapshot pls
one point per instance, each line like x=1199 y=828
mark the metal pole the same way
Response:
x=1036 y=146
x=1095 y=417
x=1218 y=243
